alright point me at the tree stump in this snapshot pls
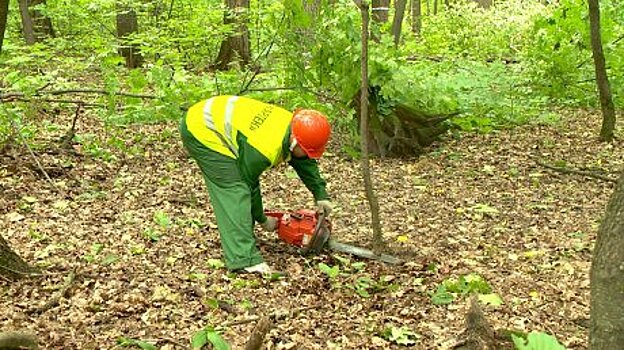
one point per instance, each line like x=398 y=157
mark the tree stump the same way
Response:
x=479 y=334
x=401 y=130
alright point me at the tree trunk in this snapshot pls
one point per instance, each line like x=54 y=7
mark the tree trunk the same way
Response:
x=35 y=25
x=380 y=10
x=486 y=4
x=4 y=12
x=435 y=7
x=127 y=24
x=397 y=23
x=28 y=29
x=313 y=7
x=43 y=24
x=602 y=80
x=378 y=243
x=11 y=265
x=607 y=277
x=236 y=47
x=416 y=13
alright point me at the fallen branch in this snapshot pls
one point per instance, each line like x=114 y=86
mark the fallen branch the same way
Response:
x=55 y=299
x=565 y=170
x=14 y=95
x=66 y=140
x=54 y=100
x=17 y=341
x=34 y=157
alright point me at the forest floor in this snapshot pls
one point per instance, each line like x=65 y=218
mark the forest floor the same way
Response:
x=134 y=224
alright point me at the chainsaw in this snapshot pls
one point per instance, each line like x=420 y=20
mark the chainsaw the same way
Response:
x=310 y=231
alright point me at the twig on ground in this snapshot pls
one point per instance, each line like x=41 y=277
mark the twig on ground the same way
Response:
x=34 y=157
x=66 y=140
x=55 y=299
x=565 y=170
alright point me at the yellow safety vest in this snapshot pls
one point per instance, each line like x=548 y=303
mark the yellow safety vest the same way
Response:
x=216 y=123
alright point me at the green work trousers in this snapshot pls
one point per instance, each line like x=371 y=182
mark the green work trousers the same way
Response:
x=231 y=200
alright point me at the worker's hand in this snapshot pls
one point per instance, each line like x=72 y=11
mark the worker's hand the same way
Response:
x=324 y=206
x=270 y=224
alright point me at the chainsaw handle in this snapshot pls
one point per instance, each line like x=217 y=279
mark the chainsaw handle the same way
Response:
x=320 y=219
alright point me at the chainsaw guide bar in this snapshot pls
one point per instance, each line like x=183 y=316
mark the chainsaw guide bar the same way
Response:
x=311 y=232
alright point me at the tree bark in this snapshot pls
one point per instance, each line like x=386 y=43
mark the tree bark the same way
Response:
x=416 y=14
x=235 y=48
x=380 y=10
x=607 y=277
x=378 y=243
x=11 y=265
x=35 y=25
x=486 y=4
x=256 y=339
x=313 y=7
x=4 y=12
x=397 y=22
x=602 y=80
x=127 y=24
x=28 y=29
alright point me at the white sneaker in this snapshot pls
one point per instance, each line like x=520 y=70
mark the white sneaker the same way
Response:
x=261 y=268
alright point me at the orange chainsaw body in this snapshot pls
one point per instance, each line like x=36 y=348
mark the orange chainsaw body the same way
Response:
x=300 y=227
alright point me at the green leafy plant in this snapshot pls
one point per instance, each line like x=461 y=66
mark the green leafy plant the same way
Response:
x=331 y=272
x=96 y=248
x=448 y=290
x=129 y=342
x=162 y=219
x=537 y=341
x=215 y=263
x=208 y=335
x=442 y=296
x=151 y=234
x=400 y=336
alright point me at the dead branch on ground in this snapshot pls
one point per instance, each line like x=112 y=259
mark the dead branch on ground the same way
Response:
x=34 y=157
x=66 y=140
x=55 y=299
x=566 y=170
x=18 y=95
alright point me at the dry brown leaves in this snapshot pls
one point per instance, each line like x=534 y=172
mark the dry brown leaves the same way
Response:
x=140 y=233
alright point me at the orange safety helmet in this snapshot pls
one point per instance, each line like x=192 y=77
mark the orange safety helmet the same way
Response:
x=311 y=130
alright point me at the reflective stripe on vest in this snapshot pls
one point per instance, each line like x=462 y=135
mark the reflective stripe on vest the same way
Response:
x=218 y=122
x=228 y=138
